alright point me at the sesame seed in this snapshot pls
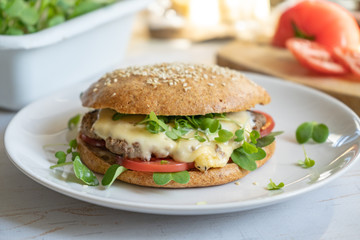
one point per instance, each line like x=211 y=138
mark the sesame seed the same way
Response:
x=171 y=74
x=95 y=89
x=114 y=94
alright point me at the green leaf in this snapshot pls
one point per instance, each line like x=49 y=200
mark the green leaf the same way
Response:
x=307 y=163
x=15 y=7
x=61 y=165
x=212 y=124
x=73 y=144
x=181 y=177
x=260 y=154
x=239 y=135
x=172 y=134
x=74 y=155
x=29 y=16
x=56 y=20
x=3 y=4
x=74 y=121
x=254 y=135
x=84 y=174
x=162 y=178
x=268 y=139
x=61 y=156
x=304 y=132
x=14 y=31
x=224 y=136
x=249 y=148
x=153 y=127
x=243 y=160
x=154 y=118
x=111 y=174
x=320 y=133
x=198 y=137
x=273 y=186
x=85 y=7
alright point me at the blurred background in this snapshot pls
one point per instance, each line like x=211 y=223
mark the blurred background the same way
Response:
x=49 y=45
x=199 y=20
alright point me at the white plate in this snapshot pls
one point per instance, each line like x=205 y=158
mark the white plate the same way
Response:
x=43 y=123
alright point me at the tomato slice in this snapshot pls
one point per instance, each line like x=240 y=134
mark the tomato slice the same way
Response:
x=268 y=126
x=314 y=57
x=350 y=58
x=156 y=165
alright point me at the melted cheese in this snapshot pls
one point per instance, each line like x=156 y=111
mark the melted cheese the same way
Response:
x=205 y=155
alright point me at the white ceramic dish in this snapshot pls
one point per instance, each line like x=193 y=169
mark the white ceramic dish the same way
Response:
x=44 y=121
x=37 y=64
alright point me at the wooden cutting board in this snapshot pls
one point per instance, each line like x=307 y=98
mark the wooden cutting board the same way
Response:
x=278 y=62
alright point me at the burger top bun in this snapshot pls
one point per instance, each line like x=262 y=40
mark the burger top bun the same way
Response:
x=174 y=89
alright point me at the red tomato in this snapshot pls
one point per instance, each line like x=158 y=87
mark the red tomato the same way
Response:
x=328 y=23
x=268 y=126
x=156 y=165
x=349 y=58
x=313 y=56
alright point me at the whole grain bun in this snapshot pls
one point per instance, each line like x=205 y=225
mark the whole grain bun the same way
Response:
x=96 y=162
x=174 y=89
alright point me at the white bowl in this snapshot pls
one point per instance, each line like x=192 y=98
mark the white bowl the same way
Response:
x=36 y=64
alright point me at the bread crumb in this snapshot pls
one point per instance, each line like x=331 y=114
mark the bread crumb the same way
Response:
x=255 y=183
x=237 y=183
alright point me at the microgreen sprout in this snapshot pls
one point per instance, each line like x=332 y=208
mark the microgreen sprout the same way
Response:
x=80 y=170
x=224 y=136
x=319 y=132
x=273 y=186
x=239 y=135
x=74 y=121
x=83 y=173
x=111 y=174
x=161 y=178
x=308 y=162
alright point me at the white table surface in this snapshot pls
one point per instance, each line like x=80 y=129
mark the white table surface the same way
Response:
x=30 y=211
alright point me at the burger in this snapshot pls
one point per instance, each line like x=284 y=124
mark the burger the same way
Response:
x=175 y=125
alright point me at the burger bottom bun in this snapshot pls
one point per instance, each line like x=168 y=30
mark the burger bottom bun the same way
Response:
x=94 y=159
